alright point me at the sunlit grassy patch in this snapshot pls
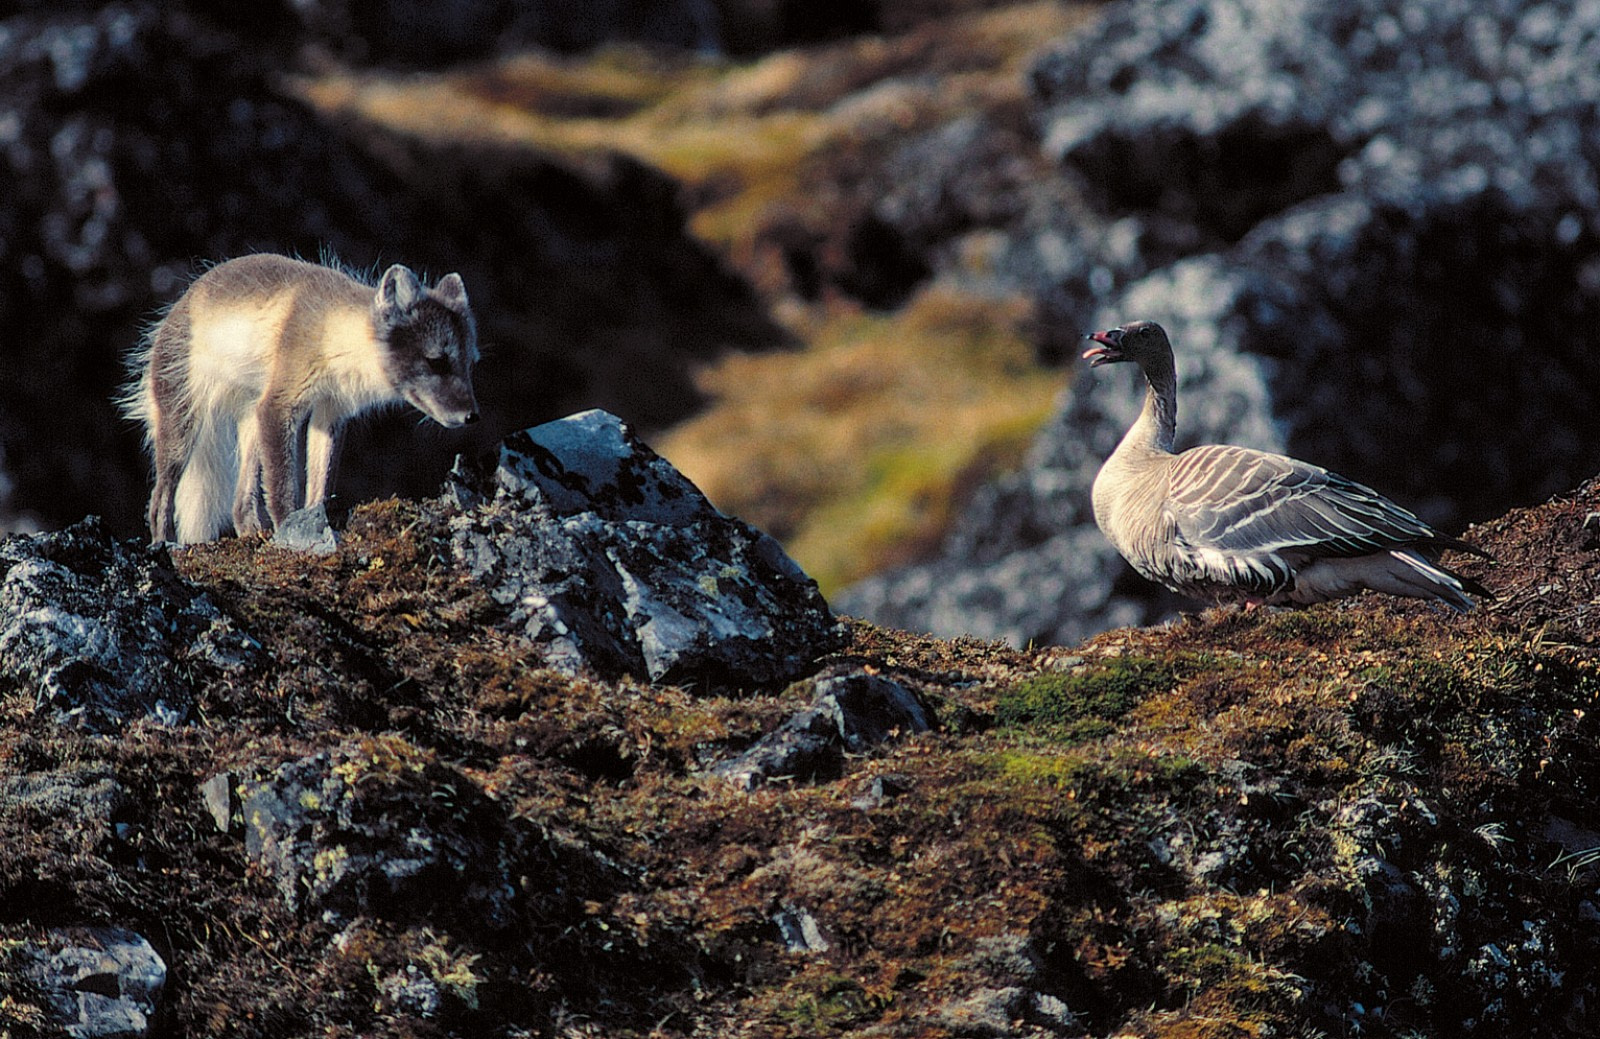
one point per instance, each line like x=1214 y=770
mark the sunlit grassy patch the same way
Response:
x=857 y=452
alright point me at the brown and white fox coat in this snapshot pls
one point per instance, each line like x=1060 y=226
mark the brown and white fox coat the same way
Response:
x=244 y=386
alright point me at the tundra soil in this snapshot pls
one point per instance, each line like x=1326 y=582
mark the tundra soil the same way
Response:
x=1369 y=818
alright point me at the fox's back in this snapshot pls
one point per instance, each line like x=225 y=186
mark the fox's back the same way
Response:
x=249 y=319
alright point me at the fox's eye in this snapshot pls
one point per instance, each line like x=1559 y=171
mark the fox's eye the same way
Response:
x=439 y=365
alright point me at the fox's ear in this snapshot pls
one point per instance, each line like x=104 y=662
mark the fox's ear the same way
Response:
x=452 y=292
x=399 y=290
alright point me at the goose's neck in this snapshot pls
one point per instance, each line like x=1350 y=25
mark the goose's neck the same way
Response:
x=1157 y=425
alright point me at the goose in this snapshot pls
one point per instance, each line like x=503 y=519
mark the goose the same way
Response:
x=1234 y=525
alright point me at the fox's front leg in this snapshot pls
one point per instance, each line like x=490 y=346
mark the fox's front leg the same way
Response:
x=283 y=474
x=249 y=500
x=323 y=436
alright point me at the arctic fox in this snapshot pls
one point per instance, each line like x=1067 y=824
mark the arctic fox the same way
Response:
x=245 y=383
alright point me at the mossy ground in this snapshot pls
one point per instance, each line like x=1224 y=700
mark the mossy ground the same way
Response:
x=1183 y=822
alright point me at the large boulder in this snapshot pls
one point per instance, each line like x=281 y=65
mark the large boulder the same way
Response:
x=610 y=560
x=1374 y=233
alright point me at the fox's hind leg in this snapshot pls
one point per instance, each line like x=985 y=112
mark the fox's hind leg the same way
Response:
x=169 y=421
x=283 y=470
x=172 y=449
x=205 y=490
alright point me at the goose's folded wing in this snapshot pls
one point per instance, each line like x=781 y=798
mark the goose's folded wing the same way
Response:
x=1252 y=504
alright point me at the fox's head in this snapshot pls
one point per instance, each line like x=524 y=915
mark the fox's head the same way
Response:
x=432 y=343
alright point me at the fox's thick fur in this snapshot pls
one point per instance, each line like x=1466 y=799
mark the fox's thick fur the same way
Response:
x=244 y=386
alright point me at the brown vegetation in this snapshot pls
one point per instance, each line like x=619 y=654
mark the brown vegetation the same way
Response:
x=1182 y=824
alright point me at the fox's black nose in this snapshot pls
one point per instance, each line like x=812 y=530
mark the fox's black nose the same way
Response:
x=471 y=418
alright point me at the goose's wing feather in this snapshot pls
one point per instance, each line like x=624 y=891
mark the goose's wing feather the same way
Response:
x=1248 y=504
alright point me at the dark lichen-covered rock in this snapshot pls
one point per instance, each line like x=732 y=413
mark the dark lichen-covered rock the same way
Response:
x=423 y=32
x=91 y=798
x=380 y=828
x=104 y=631
x=851 y=713
x=98 y=982
x=609 y=559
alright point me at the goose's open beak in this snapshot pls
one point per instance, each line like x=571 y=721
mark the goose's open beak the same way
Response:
x=1106 y=348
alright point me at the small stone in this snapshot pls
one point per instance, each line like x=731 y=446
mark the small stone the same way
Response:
x=881 y=790
x=852 y=713
x=988 y=1013
x=220 y=800
x=800 y=931
x=307 y=530
x=1007 y=959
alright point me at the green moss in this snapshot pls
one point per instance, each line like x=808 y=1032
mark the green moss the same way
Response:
x=1315 y=627
x=1084 y=703
x=1108 y=777
x=830 y=1002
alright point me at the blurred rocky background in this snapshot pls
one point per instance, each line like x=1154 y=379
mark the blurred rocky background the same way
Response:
x=838 y=256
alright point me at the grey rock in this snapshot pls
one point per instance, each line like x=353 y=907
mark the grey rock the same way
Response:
x=1007 y=972
x=988 y=1013
x=1010 y=959
x=377 y=828
x=851 y=713
x=221 y=800
x=881 y=791
x=610 y=560
x=800 y=930
x=1008 y=1012
x=307 y=530
x=98 y=982
x=103 y=631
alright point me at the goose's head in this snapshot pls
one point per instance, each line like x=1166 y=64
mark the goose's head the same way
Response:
x=1142 y=342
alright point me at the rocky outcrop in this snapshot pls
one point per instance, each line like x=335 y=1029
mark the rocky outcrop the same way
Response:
x=1375 y=819
x=1373 y=232
x=596 y=550
x=104 y=632
x=98 y=982
x=378 y=828
x=609 y=559
x=850 y=713
x=600 y=560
